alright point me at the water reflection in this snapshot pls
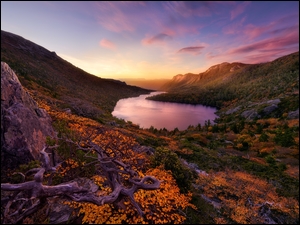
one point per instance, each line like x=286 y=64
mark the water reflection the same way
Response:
x=147 y=113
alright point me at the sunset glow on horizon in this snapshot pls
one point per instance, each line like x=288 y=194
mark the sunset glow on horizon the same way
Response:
x=156 y=40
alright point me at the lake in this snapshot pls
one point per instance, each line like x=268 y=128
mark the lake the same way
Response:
x=147 y=113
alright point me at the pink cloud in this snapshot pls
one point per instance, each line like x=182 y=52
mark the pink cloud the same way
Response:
x=249 y=32
x=265 y=50
x=271 y=47
x=107 y=44
x=252 y=32
x=195 y=8
x=183 y=16
x=265 y=57
x=195 y=50
x=285 y=30
x=238 y=10
x=270 y=44
x=116 y=16
x=189 y=8
x=209 y=55
x=159 y=38
x=235 y=27
x=178 y=18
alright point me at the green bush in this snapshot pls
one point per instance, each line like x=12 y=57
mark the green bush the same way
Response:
x=170 y=161
x=263 y=137
x=284 y=138
x=270 y=159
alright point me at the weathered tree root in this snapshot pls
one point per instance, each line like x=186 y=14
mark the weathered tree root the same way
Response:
x=29 y=196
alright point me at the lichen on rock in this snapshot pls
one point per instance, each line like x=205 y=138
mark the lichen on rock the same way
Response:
x=24 y=126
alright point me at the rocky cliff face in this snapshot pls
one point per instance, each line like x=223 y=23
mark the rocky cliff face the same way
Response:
x=223 y=70
x=24 y=126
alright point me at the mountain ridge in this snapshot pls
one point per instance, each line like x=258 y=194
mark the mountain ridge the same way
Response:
x=37 y=66
x=179 y=81
x=226 y=82
x=223 y=70
x=260 y=154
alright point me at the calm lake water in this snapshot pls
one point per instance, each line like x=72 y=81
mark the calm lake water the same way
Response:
x=147 y=113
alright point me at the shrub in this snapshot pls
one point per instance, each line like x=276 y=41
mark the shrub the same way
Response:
x=263 y=137
x=170 y=161
x=284 y=138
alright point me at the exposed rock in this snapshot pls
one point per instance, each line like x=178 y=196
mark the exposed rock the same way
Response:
x=235 y=68
x=267 y=110
x=61 y=213
x=68 y=111
x=250 y=114
x=216 y=202
x=24 y=126
x=194 y=167
x=233 y=110
x=217 y=67
x=228 y=142
x=269 y=102
x=293 y=114
x=274 y=101
x=252 y=104
x=146 y=149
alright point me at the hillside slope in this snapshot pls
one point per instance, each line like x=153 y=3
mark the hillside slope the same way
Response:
x=219 y=71
x=205 y=165
x=243 y=83
x=39 y=68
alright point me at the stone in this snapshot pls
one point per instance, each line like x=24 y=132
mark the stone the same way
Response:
x=61 y=213
x=250 y=114
x=24 y=126
x=68 y=111
x=144 y=149
x=267 y=110
x=230 y=111
x=274 y=101
x=293 y=114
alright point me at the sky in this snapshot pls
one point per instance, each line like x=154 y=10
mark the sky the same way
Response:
x=156 y=39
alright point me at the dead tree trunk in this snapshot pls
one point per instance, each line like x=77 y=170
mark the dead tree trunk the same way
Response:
x=27 y=197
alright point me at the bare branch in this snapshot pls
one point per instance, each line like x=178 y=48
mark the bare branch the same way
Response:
x=28 y=211
x=111 y=168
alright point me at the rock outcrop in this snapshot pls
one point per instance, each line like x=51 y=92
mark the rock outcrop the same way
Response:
x=293 y=114
x=61 y=213
x=24 y=126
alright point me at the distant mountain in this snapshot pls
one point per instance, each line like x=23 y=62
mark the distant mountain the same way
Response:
x=181 y=80
x=154 y=84
x=215 y=72
x=235 y=84
x=66 y=84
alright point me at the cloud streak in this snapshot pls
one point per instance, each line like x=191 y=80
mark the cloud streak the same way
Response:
x=194 y=50
x=238 y=10
x=159 y=38
x=194 y=8
x=170 y=36
x=118 y=16
x=270 y=44
x=107 y=44
x=263 y=50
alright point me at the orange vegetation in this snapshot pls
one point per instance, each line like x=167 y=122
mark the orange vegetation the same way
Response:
x=246 y=198
x=162 y=206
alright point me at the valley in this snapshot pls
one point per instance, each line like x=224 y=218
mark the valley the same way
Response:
x=243 y=168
